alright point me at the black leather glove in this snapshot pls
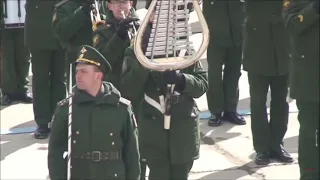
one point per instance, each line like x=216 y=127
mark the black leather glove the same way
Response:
x=86 y=6
x=124 y=26
x=316 y=5
x=173 y=77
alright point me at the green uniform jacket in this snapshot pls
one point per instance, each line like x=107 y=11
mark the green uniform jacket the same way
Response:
x=71 y=25
x=181 y=144
x=111 y=46
x=38 y=25
x=303 y=24
x=104 y=123
x=265 y=39
x=224 y=19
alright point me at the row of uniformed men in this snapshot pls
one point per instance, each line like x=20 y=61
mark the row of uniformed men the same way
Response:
x=262 y=18
x=267 y=66
x=277 y=43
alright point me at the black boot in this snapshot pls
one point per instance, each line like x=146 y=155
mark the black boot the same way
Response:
x=262 y=158
x=26 y=97
x=234 y=118
x=42 y=132
x=215 y=120
x=281 y=155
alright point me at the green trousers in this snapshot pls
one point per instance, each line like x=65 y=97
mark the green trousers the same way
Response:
x=223 y=92
x=48 y=82
x=268 y=134
x=167 y=171
x=308 y=140
x=15 y=61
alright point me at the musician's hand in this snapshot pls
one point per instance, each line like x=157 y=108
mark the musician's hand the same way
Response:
x=124 y=26
x=173 y=77
x=86 y=6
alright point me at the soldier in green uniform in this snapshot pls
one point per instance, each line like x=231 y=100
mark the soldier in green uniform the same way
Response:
x=104 y=131
x=72 y=26
x=14 y=64
x=169 y=153
x=302 y=21
x=111 y=38
x=224 y=19
x=48 y=63
x=266 y=59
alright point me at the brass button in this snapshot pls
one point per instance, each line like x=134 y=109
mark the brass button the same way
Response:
x=111 y=134
x=112 y=143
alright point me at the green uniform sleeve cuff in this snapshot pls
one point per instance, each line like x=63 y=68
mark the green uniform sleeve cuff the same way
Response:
x=190 y=86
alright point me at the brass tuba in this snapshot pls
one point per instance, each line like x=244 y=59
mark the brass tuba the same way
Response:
x=169 y=47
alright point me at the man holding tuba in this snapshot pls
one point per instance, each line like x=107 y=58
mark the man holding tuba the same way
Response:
x=113 y=36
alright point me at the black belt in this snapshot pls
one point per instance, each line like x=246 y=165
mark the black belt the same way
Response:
x=98 y=156
x=178 y=98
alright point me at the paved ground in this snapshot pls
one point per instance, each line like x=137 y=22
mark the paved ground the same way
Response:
x=226 y=151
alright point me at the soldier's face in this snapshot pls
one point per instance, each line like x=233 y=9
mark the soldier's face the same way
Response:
x=87 y=77
x=118 y=6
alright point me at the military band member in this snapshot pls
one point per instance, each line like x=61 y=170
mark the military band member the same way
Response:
x=224 y=19
x=268 y=66
x=302 y=21
x=15 y=64
x=169 y=153
x=104 y=130
x=48 y=62
x=111 y=38
x=72 y=25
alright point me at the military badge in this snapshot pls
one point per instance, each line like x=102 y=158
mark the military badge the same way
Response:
x=83 y=50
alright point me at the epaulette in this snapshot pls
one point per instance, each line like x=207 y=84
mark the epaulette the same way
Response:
x=125 y=101
x=65 y=101
x=60 y=3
